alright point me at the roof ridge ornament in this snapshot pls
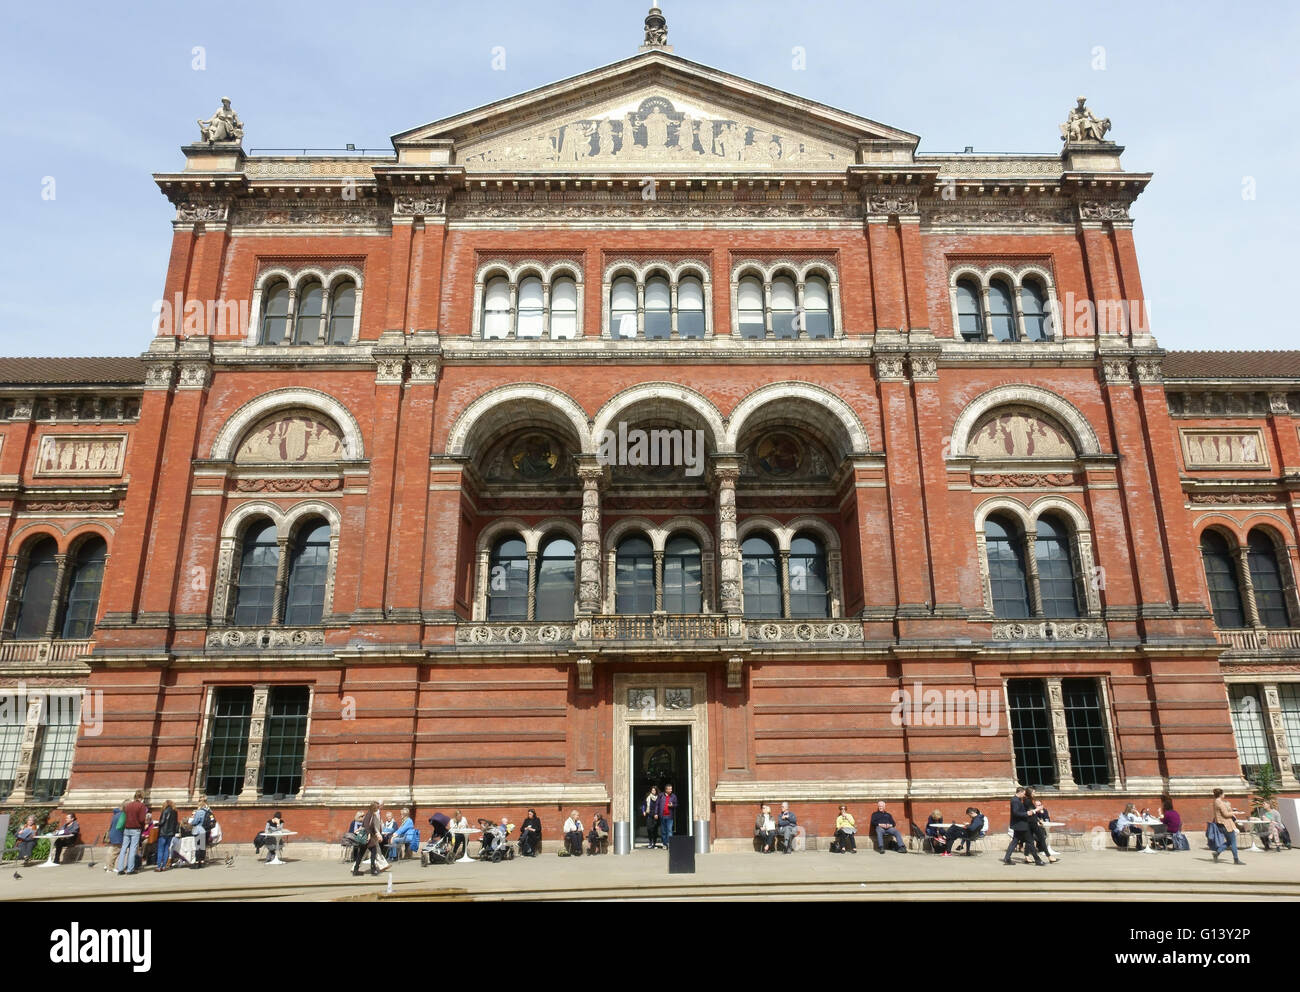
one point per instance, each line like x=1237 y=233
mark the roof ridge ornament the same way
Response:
x=656 y=32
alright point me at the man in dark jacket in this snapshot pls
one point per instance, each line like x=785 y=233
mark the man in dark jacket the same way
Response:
x=882 y=825
x=66 y=836
x=1022 y=834
x=667 y=810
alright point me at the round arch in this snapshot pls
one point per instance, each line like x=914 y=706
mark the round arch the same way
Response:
x=854 y=435
x=487 y=408
x=660 y=394
x=1085 y=438
x=223 y=448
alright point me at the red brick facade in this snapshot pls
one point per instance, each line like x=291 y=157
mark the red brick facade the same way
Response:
x=416 y=697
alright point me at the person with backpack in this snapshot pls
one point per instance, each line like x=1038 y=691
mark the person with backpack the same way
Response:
x=367 y=839
x=135 y=813
x=116 y=825
x=200 y=823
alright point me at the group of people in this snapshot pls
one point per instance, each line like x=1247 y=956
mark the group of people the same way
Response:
x=597 y=838
x=65 y=836
x=371 y=832
x=660 y=812
x=135 y=837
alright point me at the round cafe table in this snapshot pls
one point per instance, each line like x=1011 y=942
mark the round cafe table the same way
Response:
x=275 y=857
x=1252 y=824
x=465 y=832
x=49 y=861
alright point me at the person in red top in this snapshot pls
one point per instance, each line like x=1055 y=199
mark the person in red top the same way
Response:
x=135 y=811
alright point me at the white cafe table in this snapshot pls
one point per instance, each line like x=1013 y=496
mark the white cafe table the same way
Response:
x=1049 y=826
x=464 y=832
x=49 y=861
x=1148 y=823
x=275 y=858
x=1252 y=824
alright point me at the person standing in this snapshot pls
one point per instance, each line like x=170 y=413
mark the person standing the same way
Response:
x=651 y=810
x=116 y=824
x=1021 y=831
x=169 y=825
x=458 y=826
x=371 y=825
x=667 y=813
x=200 y=823
x=135 y=811
x=1225 y=817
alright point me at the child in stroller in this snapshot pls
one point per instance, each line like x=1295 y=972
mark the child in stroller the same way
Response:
x=496 y=847
x=440 y=850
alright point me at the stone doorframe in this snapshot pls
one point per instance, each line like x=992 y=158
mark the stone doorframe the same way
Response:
x=665 y=711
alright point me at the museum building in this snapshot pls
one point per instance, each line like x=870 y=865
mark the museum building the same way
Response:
x=651 y=426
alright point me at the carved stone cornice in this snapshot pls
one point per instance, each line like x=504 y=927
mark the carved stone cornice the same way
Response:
x=1024 y=480
x=889 y=202
x=425 y=370
x=1050 y=630
x=237 y=638
x=924 y=368
x=1115 y=372
x=891 y=368
x=390 y=369
x=1149 y=369
x=287 y=485
x=194 y=375
x=1103 y=210
x=159 y=375
x=1279 y=405
x=308 y=213
x=206 y=211
x=420 y=204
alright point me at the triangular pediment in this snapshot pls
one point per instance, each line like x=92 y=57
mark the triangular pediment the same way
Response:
x=654 y=111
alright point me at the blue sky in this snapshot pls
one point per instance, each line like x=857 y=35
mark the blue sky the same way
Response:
x=101 y=96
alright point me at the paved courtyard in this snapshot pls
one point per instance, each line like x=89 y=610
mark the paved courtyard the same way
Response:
x=1102 y=875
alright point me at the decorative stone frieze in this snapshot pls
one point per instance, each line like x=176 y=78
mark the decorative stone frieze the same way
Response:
x=264 y=638
x=1050 y=630
x=514 y=633
x=804 y=631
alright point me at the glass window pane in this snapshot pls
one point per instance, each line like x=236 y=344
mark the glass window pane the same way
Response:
x=760 y=578
x=38 y=591
x=1266 y=579
x=1248 y=727
x=564 y=308
x=658 y=312
x=11 y=745
x=749 y=304
x=530 y=308
x=275 y=319
x=83 y=589
x=634 y=577
x=817 y=308
x=1007 y=577
x=808 y=588
x=555 y=580
x=683 y=591
x=1087 y=732
x=783 y=307
x=622 y=308
x=1001 y=318
x=690 y=308
x=496 y=308
x=1031 y=732
x=1033 y=306
x=1056 y=584
x=308 y=573
x=343 y=309
x=57 y=742
x=1221 y=577
x=232 y=712
x=311 y=307
x=285 y=741
x=970 y=316
x=1289 y=699
x=255 y=598
x=508 y=581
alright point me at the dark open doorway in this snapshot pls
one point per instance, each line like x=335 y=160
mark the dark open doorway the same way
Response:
x=661 y=755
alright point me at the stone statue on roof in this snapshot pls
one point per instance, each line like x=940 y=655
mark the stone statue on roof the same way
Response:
x=1083 y=125
x=656 y=29
x=224 y=125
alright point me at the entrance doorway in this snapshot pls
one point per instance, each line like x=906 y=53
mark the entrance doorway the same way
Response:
x=660 y=756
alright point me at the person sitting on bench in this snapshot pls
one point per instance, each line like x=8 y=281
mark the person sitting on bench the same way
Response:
x=968 y=833
x=68 y=835
x=573 y=835
x=882 y=825
x=788 y=827
x=599 y=835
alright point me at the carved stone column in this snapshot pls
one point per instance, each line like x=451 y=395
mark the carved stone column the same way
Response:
x=784 y=558
x=659 y=581
x=532 y=585
x=281 y=580
x=835 y=580
x=1060 y=734
x=1031 y=574
x=256 y=737
x=592 y=476
x=27 y=750
x=481 y=585
x=1247 y=587
x=1282 y=757
x=60 y=594
x=725 y=473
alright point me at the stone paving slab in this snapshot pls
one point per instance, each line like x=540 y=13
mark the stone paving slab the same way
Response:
x=643 y=874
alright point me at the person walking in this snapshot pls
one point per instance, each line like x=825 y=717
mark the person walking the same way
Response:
x=1021 y=831
x=651 y=810
x=667 y=813
x=371 y=825
x=1225 y=816
x=169 y=827
x=135 y=811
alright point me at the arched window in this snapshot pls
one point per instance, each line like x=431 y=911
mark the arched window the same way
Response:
x=38 y=590
x=1007 y=576
x=508 y=581
x=808 y=587
x=817 y=308
x=1056 y=585
x=1266 y=580
x=275 y=319
x=1033 y=308
x=496 y=308
x=1221 y=577
x=690 y=308
x=343 y=312
x=683 y=588
x=658 y=308
x=258 y=569
x=783 y=308
x=761 y=578
x=622 y=308
x=970 y=316
x=634 y=577
x=86 y=577
x=564 y=308
x=308 y=570
x=555 y=580
x=1001 y=317
x=531 y=308
x=311 y=308
x=749 y=307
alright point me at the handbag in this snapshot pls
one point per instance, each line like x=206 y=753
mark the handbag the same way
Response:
x=360 y=837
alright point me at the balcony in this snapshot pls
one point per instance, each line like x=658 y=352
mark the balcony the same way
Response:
x=1260 y=641
x=42 y=652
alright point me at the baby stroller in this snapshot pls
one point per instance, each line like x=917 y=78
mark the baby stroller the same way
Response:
x=495 y=846
x=440 y=850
